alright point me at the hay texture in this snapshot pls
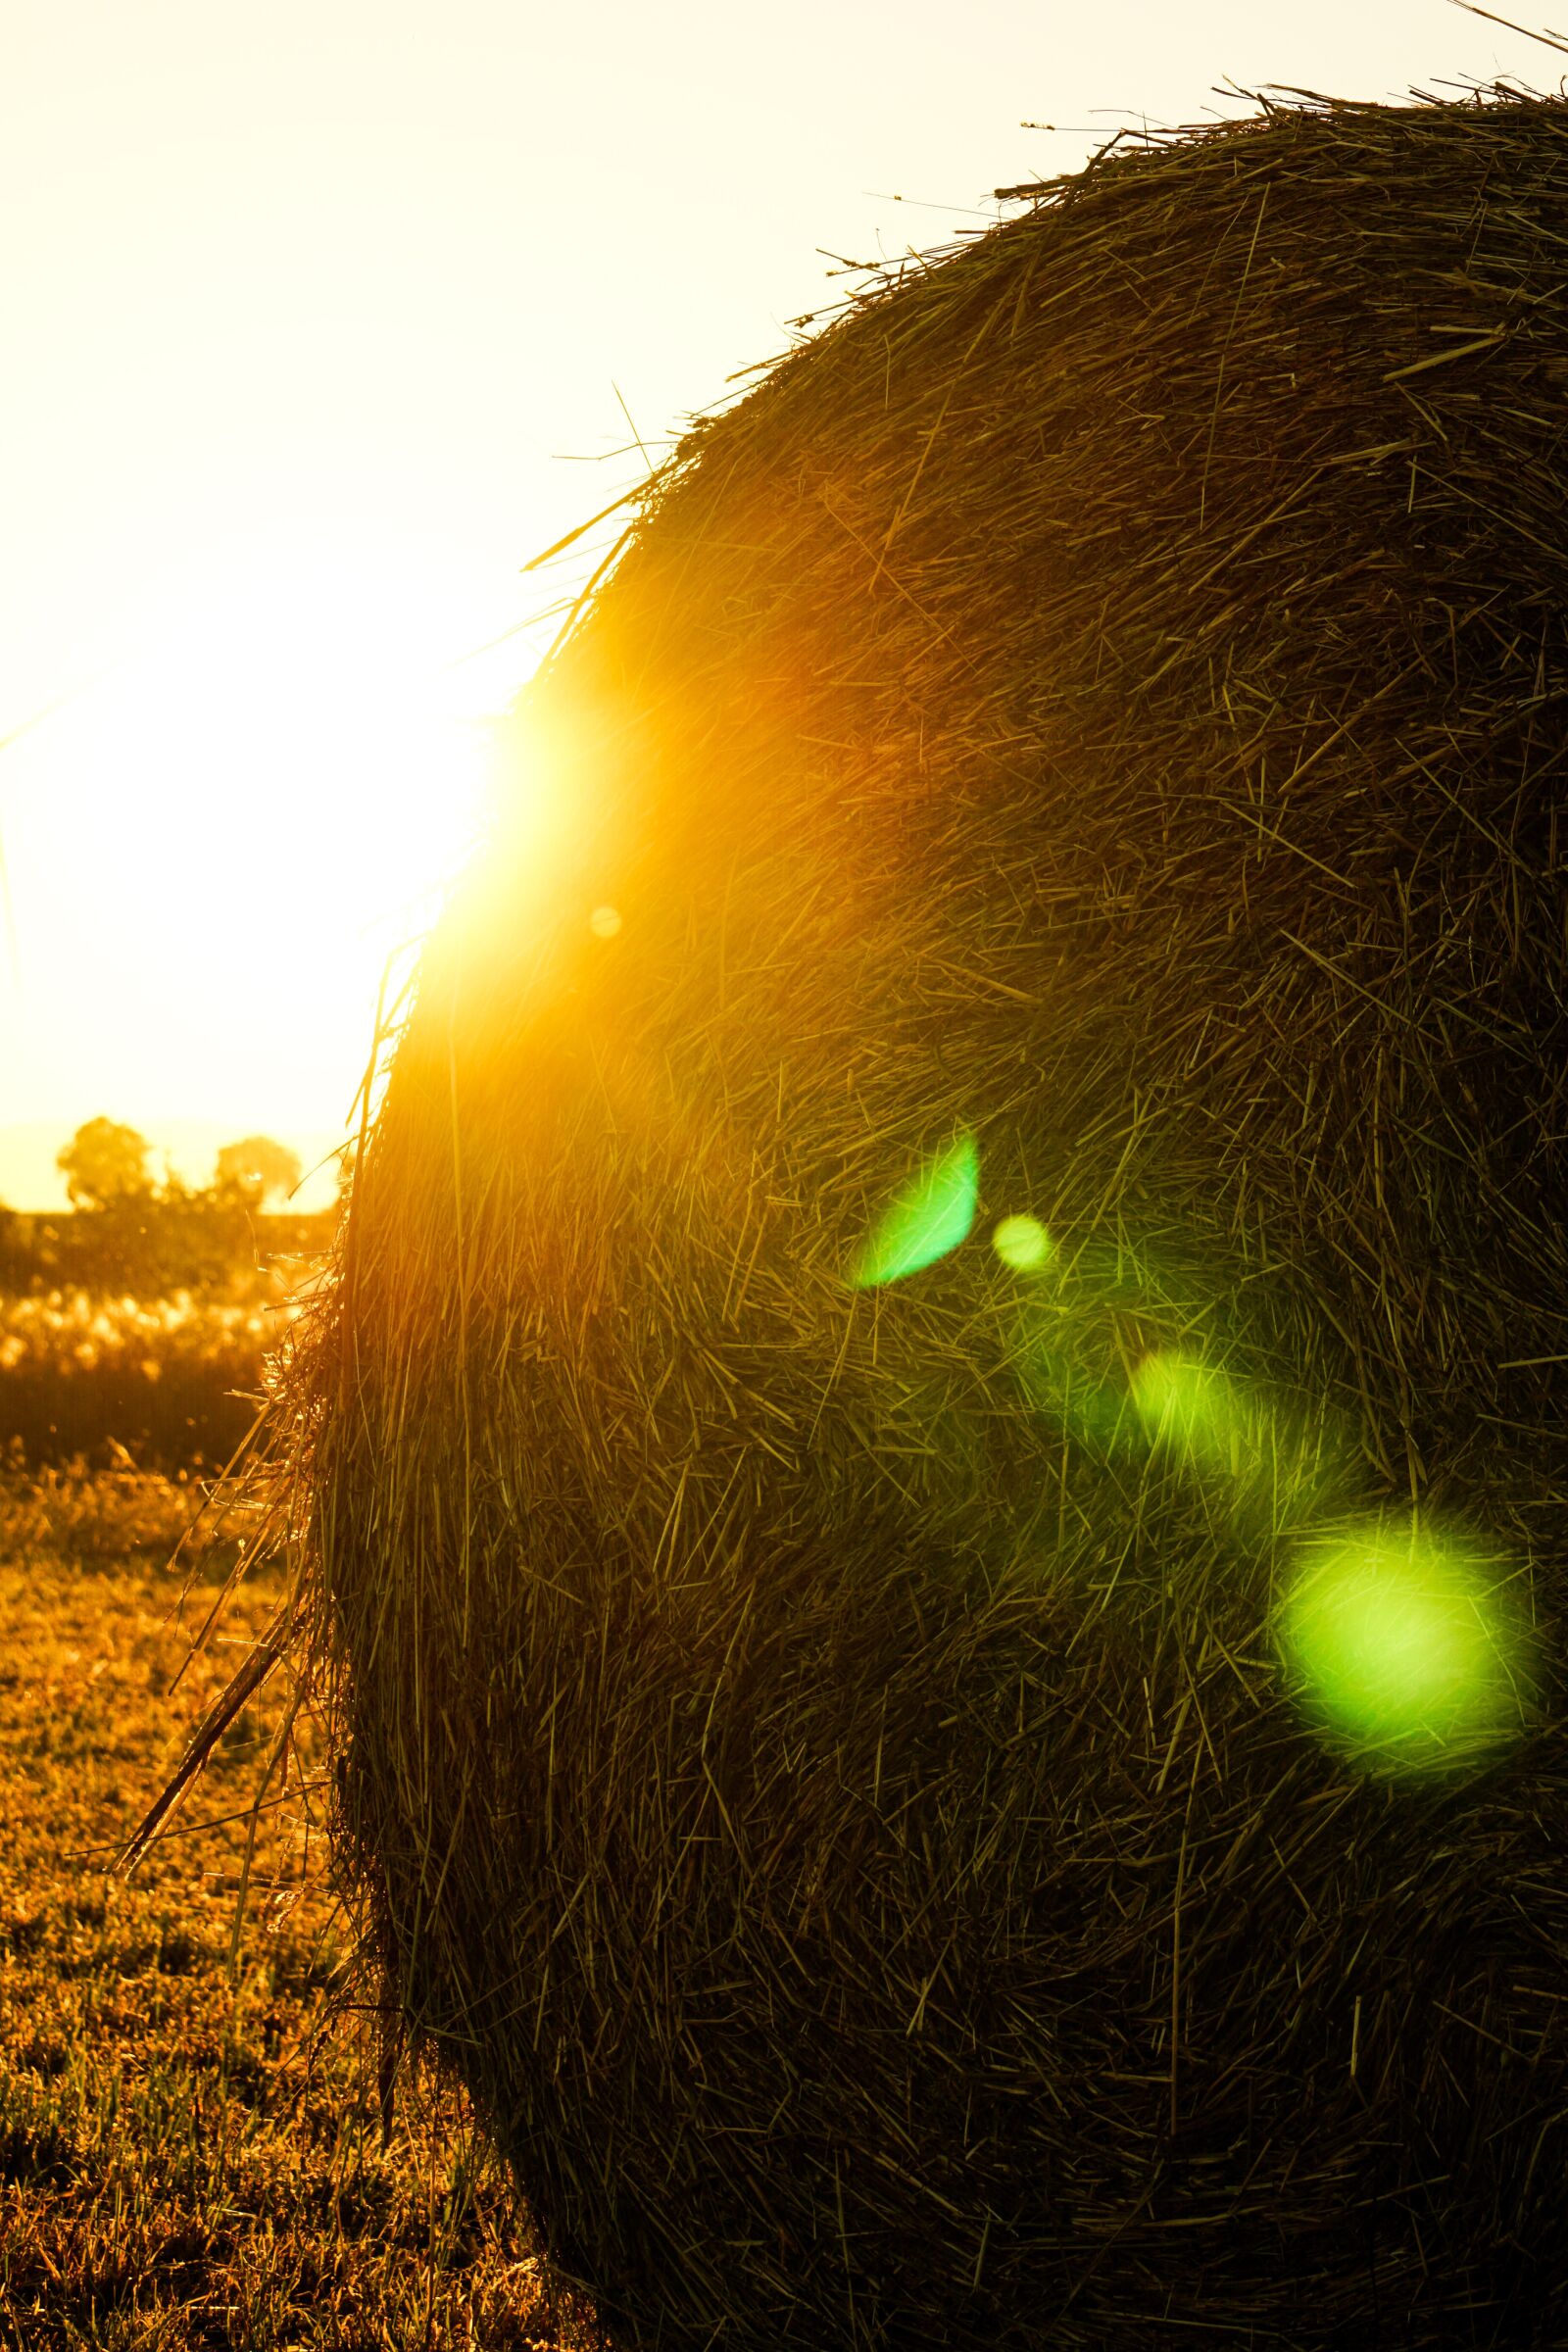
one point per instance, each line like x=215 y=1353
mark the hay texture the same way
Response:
x=938 y=1451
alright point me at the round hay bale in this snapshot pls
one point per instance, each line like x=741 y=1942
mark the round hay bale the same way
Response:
x=936 y=1452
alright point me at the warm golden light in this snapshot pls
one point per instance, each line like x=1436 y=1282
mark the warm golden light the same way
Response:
x=290 y=698
x=217 y=847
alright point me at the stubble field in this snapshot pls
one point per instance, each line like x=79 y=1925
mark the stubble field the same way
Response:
x=194 y=2152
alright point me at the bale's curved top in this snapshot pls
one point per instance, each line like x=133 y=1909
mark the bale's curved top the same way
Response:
x=993 y=1795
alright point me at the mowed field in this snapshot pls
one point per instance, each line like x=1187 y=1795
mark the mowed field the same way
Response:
x=194 y=2152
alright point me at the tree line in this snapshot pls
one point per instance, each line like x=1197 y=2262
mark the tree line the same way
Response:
x=129 y=1230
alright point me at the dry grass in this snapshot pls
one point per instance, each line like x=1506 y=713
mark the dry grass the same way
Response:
x=191 y=2158
x=70 y=1515
x=817 y=1757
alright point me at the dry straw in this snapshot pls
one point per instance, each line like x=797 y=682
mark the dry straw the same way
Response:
x=1081 y=743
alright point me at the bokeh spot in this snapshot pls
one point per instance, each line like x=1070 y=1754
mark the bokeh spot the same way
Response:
x=1194 y=1409
x=605 y=922
x=1021 y=1243
x=1403 y=1647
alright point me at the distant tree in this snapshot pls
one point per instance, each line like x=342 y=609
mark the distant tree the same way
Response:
x=257 y=1168
x=105 y=1165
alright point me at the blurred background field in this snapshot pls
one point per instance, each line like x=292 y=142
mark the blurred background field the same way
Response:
x=136 y=1326
x=160 y=1384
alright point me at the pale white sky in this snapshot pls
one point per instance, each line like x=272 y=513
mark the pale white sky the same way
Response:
x=313 y=324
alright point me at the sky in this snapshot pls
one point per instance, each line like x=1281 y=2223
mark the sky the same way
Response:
x=319 y=322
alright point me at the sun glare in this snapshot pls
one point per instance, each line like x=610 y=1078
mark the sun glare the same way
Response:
x=216 y=847
x=299 y=704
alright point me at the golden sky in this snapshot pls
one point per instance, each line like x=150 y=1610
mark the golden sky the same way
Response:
x=320 y=320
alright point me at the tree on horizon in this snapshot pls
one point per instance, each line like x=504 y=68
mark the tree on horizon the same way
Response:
x=103 y=1164
x=256 y=1168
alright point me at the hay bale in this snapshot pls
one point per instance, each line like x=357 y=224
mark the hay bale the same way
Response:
x=939 y=1436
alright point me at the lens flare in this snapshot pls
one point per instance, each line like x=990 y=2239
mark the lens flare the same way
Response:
x=1404 y=1647
x=1197 y=1413
x=1021 y=1243
x=927 y=1220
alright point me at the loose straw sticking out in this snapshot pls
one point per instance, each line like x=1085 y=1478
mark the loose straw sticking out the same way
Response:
x=235 y=1694
x=817 y=1760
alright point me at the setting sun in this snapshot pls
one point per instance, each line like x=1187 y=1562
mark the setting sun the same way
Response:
x=292 y=706
x=274 y=782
